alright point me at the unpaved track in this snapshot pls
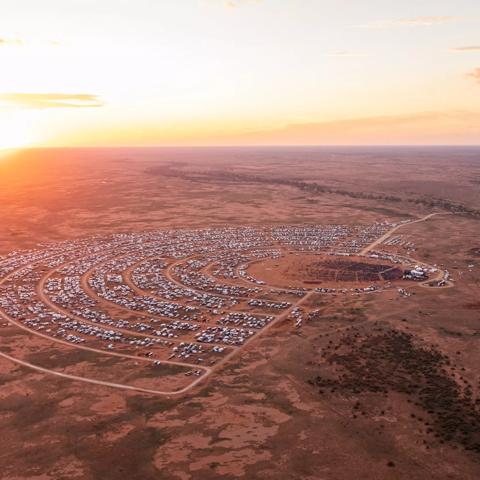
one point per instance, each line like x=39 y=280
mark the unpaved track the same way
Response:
x=384 y=237
x=96 y=382
x=205 y=369
x=394 y=229
x=278 y=318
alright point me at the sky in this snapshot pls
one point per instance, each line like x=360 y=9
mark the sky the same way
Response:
x=239 y=72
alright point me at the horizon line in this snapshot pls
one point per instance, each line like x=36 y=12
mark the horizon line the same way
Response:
x=372 y=145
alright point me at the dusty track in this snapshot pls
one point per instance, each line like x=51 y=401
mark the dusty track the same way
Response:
x=207 y=370
x=384 y=237
x=394 y=229
x=93 y=381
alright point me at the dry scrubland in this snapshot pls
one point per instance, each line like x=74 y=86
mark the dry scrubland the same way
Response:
x=373 y=386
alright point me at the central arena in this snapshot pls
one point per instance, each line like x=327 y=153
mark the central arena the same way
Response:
x=300 y=270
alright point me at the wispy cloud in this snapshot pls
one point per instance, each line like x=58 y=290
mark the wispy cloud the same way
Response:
x=345 y=54
x=426 y=21
x=32 y=42
x=50 y=100
x=239 y=3
x=421 y=127
x=11 y=42
x=469 y=48
x=475 y=74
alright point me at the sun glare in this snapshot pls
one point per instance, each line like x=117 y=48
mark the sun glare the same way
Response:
x=15 y=132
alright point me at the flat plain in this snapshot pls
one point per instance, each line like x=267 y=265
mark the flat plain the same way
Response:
x=240 y=313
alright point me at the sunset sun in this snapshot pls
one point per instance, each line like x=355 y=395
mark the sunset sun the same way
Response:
x=14 y=137
x=18 y=130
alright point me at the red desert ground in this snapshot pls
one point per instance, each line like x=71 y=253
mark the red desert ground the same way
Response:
x=179 y=313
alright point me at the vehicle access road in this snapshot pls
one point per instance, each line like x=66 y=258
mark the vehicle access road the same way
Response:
x=394 y=229
x=387 y=235
x=205 y=369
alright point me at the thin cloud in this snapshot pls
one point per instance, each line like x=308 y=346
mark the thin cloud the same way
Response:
x=345 y=54
x=18 y=42
x=239 y=3
x=421 y=127
x=475 y=74
x=11 y=42
x=426 y=21
x=50 y=100
x=469 y=48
